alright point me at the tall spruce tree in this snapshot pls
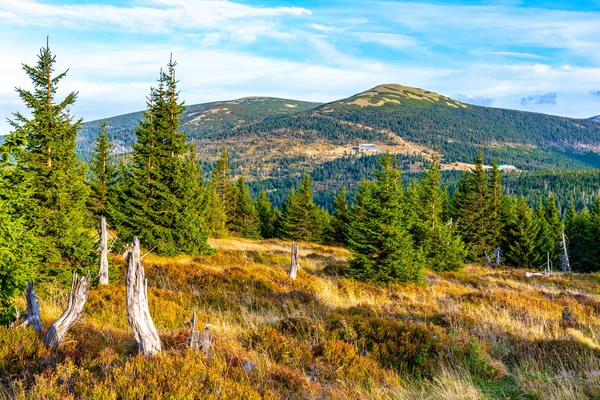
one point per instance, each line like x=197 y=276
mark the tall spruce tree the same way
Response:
x=521 y=241
x=163 y=195
x=471 y=210
x=43 y=148
x=244 y=218
x=443 y=250
x=215 y=215
x=299 y=215
x=266 y=215
x=222 y=183
x=102 y=174
x=341 y=216
x=495 y=204
x=382 y=249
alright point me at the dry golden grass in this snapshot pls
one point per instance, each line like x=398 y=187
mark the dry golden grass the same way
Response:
x=474 y=334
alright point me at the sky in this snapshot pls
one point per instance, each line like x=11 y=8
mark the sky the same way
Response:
x=541 y=56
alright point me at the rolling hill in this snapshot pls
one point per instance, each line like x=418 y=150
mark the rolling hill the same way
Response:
x=596 y=118
x=273 y=141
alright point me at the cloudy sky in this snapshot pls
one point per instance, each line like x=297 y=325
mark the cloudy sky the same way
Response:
x=530 y=55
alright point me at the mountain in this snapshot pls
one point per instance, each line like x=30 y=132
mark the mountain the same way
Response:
x=197 y=120
x=596 y=118
x=274 y=141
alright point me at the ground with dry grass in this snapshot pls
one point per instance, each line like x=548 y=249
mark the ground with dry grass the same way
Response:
x=479 y=333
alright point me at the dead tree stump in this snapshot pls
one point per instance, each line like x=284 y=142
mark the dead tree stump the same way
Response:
x=294 y=266
x=194 y=336
x=138 y=313
x=32 y=317
x=103 y=248
x=206 y=344
x=77 y=298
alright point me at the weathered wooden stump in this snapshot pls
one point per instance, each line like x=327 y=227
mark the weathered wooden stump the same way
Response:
x=294 y=266
x=32 y=317
x=138 y=313
x=103 y=248
x=77 y=298
x=206 y=344
x=195 y=335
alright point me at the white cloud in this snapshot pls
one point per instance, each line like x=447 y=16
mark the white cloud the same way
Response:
x=393 y=40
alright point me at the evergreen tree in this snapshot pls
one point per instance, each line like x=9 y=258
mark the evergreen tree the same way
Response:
x=222 y=183
x=244 y=218
x=442 y=248
x=163 y=196
x=591 y=241
x=382 y=249
x=521 y=247
x=552 y=216
x=341 y=217
x=102 y=175
x=495 y=212
x=299 y=215
x=471 y=210
x=43 y=147
x=215 y=213
x=266 y=216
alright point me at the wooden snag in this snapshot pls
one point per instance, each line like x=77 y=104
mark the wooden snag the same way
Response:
x=294 y=266
x=32 y=316
x=103 y=249
x=195 y=335
x=138 y=313
x=77 y=298
x=206 y=344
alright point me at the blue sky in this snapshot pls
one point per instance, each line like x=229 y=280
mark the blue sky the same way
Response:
x=539 y=56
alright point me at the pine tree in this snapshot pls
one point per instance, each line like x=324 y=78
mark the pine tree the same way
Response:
x=299 y=214
x=591 y=240
x=552 y=216
x=382 y=249
x=163 y=198
x=522 y=250
x=215 y=213
x=102 y=175
x=341 y=217
x=442 y=248
x=471 y=210
x=43 y=147
x=222 y=183
x=494 y=209
x=244 y=218
x=266 y=216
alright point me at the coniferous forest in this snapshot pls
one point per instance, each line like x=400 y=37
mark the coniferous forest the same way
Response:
x=375 y=228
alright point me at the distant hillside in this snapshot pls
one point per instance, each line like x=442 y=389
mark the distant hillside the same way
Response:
x=198 y=119
x=273 y=141
x=596 y=118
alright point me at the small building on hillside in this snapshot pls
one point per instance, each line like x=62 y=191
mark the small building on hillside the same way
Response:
x=507 y=168
x=368 y=148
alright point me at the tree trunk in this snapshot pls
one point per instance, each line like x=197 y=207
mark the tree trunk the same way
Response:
x=207 y=342
x=33 y=310
x=294 y=262
x=103 y=252
x=77 y=298
x=195 y=336
x=138 y=313
x=564 y=259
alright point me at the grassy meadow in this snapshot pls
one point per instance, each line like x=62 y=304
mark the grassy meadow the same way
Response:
x=479 y=333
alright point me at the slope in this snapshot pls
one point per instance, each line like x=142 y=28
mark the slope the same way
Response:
x=475 y=334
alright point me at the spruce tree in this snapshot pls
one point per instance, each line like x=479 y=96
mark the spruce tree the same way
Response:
x=244 y=218
x=266 y=215
x=299 y=215
x=552 y=216
x=442 y=248
x=382 y=249
x=221 y=181
x=163 y=198
x=521 y=247
x=43 y=147
x=215 y=213
x=591 y=260
x=341 y=216
x=102 y=174
x=471 y=210
x=494 y=209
